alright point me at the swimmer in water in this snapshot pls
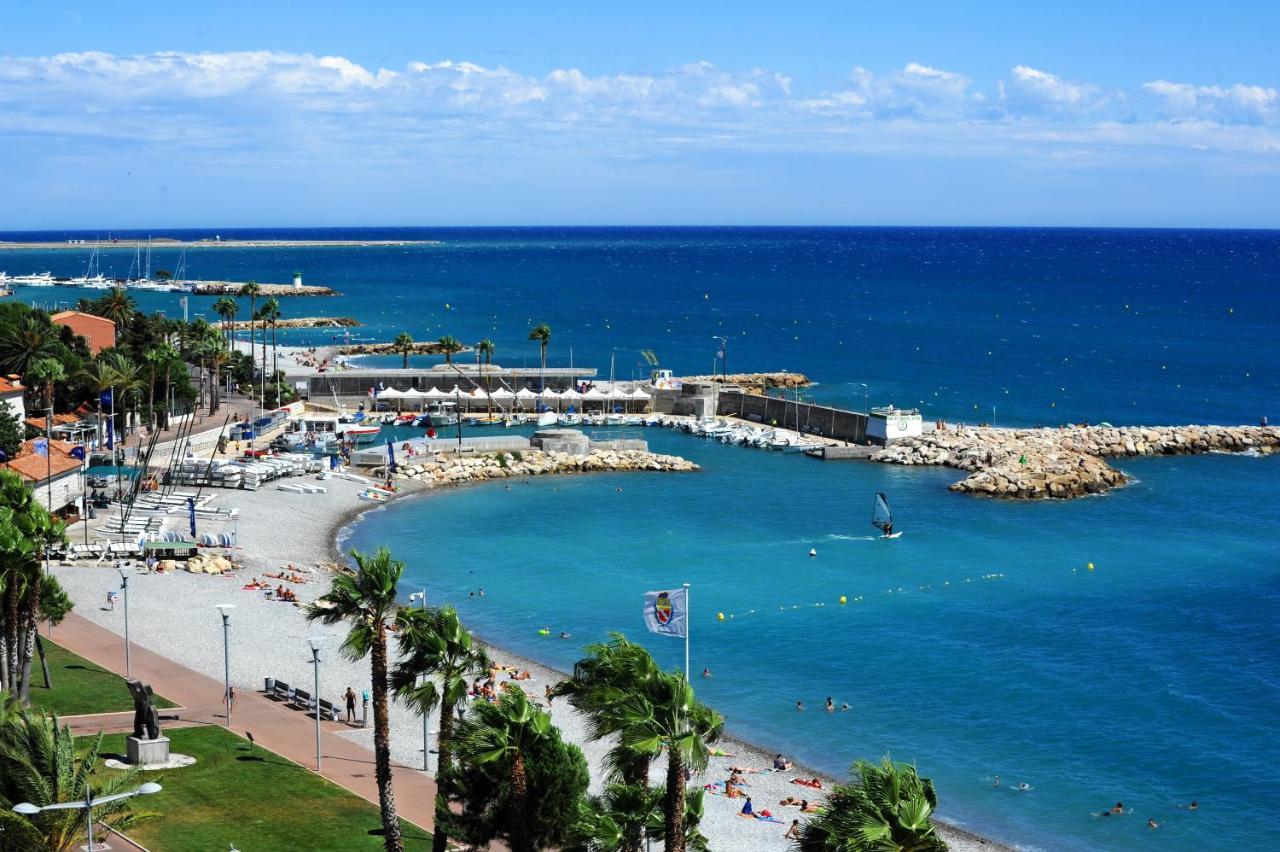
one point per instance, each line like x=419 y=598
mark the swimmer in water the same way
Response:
x=1024 y=786
x=800 y=706
x=997 y=783
x=830 y=705
x=706 y=672
x=845 y=706
x=1152 y=824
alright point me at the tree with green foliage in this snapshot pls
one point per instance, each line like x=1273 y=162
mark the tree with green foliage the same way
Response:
x=25 y=342
x=403 y=344
x=116 y=305
x=252 y=290
x=887 y=809
x=26 y=530
x=438 y=660
x=271 y=316
x=226 y=308
x=48 y=372
x=366 y=600
x=127 y=380
x=664 y=716
x=450 y=346
x=12 y=433
x=100 y=378
x=486 y=348
x=608 y=673
x=542 y=333
x=518 y=781
x=42 y=764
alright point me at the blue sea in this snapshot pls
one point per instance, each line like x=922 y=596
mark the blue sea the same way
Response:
x=978 y=644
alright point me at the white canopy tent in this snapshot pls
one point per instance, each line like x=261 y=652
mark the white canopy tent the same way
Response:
x=390 y=393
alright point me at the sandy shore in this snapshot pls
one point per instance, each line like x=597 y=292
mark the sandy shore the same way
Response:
x=174 y=615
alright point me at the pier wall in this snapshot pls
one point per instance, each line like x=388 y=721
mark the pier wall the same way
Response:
x=812 y=419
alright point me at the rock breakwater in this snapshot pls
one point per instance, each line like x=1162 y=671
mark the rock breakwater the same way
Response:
x=438 y=470
x=1039 y=464
x=755 y=382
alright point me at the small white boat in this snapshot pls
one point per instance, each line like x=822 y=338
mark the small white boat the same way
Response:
x=548 y=418
x=441 y=414
x=569 y=420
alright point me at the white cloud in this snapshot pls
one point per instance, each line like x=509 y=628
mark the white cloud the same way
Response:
x=264 y=100
x=1034 y=91
x=1236 y=103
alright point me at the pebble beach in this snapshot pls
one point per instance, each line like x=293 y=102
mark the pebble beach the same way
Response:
x=173 y=614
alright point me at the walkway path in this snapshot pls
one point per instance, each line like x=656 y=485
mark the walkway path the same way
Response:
x=286 y=732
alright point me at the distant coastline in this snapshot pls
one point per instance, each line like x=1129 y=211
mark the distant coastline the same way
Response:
x=161 y=242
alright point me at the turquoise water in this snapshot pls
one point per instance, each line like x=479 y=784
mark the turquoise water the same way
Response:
x=1152 y=679
x=981 y=645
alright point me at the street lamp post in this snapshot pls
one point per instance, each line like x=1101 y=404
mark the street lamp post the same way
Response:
x=124 y=587
x=422 y=596
x=724 y=356
x=28 y=809
x=225 y=610
x=315 y=696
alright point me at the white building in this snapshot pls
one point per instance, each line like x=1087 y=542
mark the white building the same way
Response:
x=11 y=390
x=893 y=424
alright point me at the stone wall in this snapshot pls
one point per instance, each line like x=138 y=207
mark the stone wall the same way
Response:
x=813 y=419
x=1033 y=464
x=453 y=470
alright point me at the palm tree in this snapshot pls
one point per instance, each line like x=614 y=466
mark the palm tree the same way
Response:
x=26 y=342
x=101 y=377
x=270 y=314
x=38 y=764
x=251 y=290
x=216 y=357
x=486 y=348
x=227 y=308
x=665 y=716
x=510 y=730
x=161 y=357
x=601 y=680
x=887 y=810
x=128 y=377
x=117 y=306
x=617 y=820
x=542 y=333
x=435 y=646
x=367 y=601
x=450 y=347
x=403 y=344
x=49 y=372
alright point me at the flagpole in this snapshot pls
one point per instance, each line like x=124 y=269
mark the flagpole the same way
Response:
x=688 y=618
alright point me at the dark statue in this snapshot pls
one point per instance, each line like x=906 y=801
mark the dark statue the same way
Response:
x=145 y=718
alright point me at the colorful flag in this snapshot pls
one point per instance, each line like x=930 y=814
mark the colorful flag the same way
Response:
x=667 y=612
x=40 y=446
x=391 y=458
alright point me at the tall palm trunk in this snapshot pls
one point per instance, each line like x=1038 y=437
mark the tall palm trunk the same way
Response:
x=444 y=746
x=275 y=360
x=542 y=381
x=382 y=747
x=151 y=398
x=675 y=802
x=520 y=790
x=165 y=425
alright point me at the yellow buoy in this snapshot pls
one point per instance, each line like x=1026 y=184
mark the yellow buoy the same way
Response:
x=1090 y=566
x=843 y=600
x=719 y=616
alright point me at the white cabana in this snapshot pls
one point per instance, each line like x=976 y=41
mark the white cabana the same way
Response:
x=413 y=393
x=639 y=393
x=502 y=393
x=434 y=393
x=571 y=395
x=390 y=393
x=617 y=393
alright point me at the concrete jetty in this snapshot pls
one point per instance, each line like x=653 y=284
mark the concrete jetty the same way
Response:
x=1040 y=464
x=265 y=291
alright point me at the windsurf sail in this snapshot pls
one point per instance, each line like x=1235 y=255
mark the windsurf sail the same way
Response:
x=881 y=517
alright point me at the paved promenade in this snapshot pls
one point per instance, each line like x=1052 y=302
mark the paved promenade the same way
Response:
x=275 y=727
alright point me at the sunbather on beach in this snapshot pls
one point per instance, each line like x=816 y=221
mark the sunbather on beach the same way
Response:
x=780 y=763
x=791 y=802
x=793 y=833
x=746 y=808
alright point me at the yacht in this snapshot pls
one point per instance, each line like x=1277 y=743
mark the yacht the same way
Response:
x=42 y=279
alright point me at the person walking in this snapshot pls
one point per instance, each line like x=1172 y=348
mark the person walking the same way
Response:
x=351 y=705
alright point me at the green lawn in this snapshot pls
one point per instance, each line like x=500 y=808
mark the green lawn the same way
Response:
x=256 y=800
x=79 y=687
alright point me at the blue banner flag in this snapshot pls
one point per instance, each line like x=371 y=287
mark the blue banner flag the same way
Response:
x=41 y=446
x=391 y=458
x=191 y=515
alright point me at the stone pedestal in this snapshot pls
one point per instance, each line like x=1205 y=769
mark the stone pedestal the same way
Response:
x=147 y=752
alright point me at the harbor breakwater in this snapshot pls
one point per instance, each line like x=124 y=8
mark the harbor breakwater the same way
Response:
x=440 y=469
x=755 y=382
x=1039 y=464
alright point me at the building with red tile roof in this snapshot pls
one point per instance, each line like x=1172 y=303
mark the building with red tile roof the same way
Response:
x=98 y=332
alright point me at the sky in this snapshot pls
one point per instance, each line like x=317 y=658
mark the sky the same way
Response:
x=1135 y=114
